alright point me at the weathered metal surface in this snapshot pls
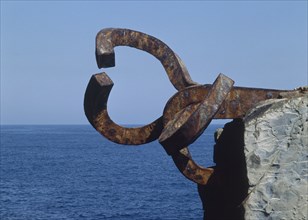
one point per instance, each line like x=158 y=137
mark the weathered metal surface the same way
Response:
x=190 y=169
x=95 y=105
x=189 y=123
x=109 y=38
x=100 y=85
x=186 y=114
x=237 y=103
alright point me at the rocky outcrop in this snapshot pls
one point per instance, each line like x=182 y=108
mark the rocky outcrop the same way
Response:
x=261 y=164
x=276 y=151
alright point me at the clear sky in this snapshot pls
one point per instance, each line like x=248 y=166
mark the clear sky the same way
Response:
x=47 y=53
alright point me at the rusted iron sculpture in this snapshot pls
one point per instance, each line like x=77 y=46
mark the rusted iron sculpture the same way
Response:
x=187 y=113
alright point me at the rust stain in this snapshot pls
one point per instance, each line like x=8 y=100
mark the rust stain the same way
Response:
x=182 y=129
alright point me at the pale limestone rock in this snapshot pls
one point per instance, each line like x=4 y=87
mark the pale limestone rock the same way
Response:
x=276 y=150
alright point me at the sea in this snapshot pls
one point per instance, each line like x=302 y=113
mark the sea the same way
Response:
x=72 y=172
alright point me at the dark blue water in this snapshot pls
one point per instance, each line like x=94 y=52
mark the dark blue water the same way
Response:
x=72 y=172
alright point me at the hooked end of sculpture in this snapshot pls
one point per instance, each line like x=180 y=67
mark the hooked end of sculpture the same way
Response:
x=105 y=60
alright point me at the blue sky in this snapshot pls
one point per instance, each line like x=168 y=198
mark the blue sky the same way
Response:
x=47 y=53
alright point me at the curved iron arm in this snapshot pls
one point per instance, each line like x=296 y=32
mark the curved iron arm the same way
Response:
x=109 y=38
x=100 y=85
x=185 y=122
x=189 y=123
x=95 y=106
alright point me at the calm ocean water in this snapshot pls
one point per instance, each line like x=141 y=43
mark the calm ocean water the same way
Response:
x=72 y=172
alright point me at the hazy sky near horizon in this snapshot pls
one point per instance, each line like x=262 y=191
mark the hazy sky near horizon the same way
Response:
x=47 y=53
